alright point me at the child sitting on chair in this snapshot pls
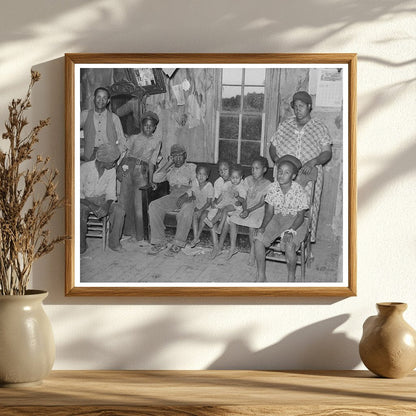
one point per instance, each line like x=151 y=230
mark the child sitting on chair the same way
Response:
x=232 y=198
x=286 y=203
x=224 y=172
x=202 y=193
x=257 y=186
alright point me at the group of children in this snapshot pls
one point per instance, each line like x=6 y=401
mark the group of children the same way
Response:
x=232 y=198
x=268 y=210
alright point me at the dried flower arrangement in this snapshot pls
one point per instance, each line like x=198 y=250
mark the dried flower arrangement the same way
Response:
x=28 y=200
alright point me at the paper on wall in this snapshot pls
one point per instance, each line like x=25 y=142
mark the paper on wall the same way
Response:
x=186 y=85
x=179 y=95
x=329 y=88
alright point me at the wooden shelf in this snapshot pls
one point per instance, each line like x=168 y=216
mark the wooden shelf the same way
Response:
x=253 y=393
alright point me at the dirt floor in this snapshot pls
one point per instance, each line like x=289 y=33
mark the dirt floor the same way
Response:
x=195 y=265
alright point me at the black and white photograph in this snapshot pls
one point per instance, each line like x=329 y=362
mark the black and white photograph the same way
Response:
x=209 y=177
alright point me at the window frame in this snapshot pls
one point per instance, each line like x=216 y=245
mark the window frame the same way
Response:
x=241 y=113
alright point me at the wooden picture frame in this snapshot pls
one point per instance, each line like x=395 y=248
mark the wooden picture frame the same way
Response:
x=334 y=96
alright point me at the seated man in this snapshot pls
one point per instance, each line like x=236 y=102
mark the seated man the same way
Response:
x=98 y=193
x=180 y=176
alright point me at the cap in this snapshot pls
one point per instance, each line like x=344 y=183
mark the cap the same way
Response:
x=177 y=149
x=302 y=96
x=291 y=159
x=107 y=153
x=151 y=115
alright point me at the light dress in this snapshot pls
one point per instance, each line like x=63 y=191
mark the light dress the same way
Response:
x=256 y=190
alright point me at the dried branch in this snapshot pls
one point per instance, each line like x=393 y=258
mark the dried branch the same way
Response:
x=23 y=218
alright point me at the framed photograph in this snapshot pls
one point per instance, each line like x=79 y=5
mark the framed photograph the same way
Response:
x=211 y=174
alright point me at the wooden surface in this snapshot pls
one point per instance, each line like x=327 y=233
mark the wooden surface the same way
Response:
x=254 y=393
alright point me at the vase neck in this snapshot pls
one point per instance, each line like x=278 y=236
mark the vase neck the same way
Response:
x=390 y=308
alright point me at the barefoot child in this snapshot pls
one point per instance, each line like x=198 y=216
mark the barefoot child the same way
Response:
x=252 y=217
x=224 y=172
x=232 y=198
x=286 y=203
x=202 y=193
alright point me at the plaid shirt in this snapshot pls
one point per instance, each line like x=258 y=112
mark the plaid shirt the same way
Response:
x=306 y=143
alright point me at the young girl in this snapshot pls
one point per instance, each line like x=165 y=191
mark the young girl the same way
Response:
x=224 y=172
x=232 y=198
x=136 y=171
x=286 y=203
x=252 y=217
x=202 y=193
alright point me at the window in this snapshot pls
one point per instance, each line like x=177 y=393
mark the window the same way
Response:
x=241 y=115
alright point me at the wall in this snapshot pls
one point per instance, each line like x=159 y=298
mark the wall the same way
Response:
x=198 y=333
x=191 y=123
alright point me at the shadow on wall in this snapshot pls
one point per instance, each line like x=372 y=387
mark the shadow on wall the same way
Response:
x=143 y=347
x=153 y=344
x=28 y=34
x=314 y=347
x=131 y=18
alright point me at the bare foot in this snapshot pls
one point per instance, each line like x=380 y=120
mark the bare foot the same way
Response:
x=251 y=260
x=231 y=253
x=208 y=223
x=194 y=243
x=214 y=253
x=118 y=249
x=260 y=279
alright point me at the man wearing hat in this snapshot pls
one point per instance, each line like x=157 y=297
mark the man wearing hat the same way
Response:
x=180 y=176
x=135 y=171
x=98 y=193
x=100 y=125
x=307 y=139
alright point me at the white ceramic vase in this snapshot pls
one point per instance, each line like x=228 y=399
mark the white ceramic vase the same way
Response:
x=27 y=346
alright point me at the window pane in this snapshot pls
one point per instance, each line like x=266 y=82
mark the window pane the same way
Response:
x=253 y=99
x=232 y=76
x=249 y=150
x=231 y=98
x=251 y=128
x=228 y=150
x=255 y=76
x=228 y=127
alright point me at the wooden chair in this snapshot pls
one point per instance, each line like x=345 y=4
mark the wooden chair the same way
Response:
x=98 y=228
x=304 y=254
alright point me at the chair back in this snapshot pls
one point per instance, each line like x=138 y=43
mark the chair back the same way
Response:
x=304 y=180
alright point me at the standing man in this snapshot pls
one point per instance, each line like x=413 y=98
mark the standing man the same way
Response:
x=101 y=126
x=98 y=194
x=180 y=176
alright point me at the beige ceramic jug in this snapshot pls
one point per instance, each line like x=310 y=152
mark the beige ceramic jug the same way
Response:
x=388 y=345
